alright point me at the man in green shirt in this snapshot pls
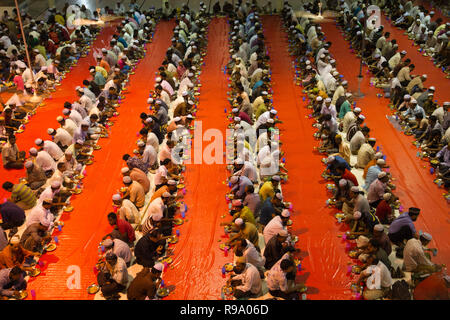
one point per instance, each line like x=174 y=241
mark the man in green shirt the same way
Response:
x=345 y=107
x=241 y=211
x=21 y=195
x=246 y=230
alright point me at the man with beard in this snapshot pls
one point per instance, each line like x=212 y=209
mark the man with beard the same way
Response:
x=246 y=281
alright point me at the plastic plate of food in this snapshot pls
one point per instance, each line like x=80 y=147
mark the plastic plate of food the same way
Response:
x=356 y=269
x=228 y=229
x=222 y=246
x=123 y=189
x=68 y=208
x=178 y=221
x=93 y=288
x=97 y=147
x=162 y=292
x=290 y=222
x=50 y=247
x=172 y=239
x=77 y=191
x=339 y=216
x=22 y=295
x=227 y=290
x=89 y=162
x=19 y=131
x=228 y=267
x=353 y=254
x=167 y=260
x=294 y=239
x=34 y=272
x=180 y=186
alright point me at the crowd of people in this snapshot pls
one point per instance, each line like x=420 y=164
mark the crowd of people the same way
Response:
x=265 y=257
x=145 y=209
x=363 y=192
x=55 y=167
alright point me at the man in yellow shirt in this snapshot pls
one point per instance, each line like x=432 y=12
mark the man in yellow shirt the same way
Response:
x=21 y=195
x=268 y=188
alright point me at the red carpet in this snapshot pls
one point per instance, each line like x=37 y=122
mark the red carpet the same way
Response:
x=198 y=260
x=324 y=261
x=414 y=183
x=436 y=77
x=46 y=116
x=87 y=224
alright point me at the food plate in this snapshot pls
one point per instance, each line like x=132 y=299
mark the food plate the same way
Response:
x=228 y=267
x=162 y=292
x=356 y=269
x=353 y=254
x=294 y=239
x=228 y=229
x=89 y=162
x=50 y=247
x=68 y=208
x=222 y=246
x=22 y=295
x=180 y=186
x=289 y=223
x=339 y=216
x=35 y=272
x=227 y=290
x=77 y=191
x=167 y=260
x=19 y=131
x=172 y=239
x=178 y=221
x=96 y=147
x=354 y=287
x=93 y=288
x=79 y=177
x=123 y=189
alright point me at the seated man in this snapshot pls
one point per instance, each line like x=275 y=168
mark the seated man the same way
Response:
x=35 y=236
x=11 y=282
x=13 y=217
x=118 y=247
x=145 y=284
x=113 y=278
x=122 y=230
x=280 y=282
x=403 y=228
x=414 y=257
x=21 y=195
x=36 y=177
x=278 y=223
x=149 y=248
x=247 y=231
x=246 y=281
x=11 y=156
x=15 y=255
x=276 y=248
x=126 y=210
x=377 y=277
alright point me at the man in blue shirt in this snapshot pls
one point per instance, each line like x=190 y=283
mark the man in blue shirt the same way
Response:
x=403 y=228
x=333 y=162
x=239 y=184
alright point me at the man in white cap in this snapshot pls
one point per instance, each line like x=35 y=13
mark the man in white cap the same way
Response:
x=50 y=147
x=146 y=282
x=414 y=257
x=365 y=153
x=126 y=210
x=36 y=177
x=275 y=225
x=373 y=171
x=67 y=124
x=239 y=183
x=135 y=192
x=246 y=281
x=41 y=214
x=377 y=189
x=349 y=119
x=416 y=83
x=138 y=175
x=269 y=187
x=245 y=230
x=247 y=250
x=44 y=160
x=61 y=137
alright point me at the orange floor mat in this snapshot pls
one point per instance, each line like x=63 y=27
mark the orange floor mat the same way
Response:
x=414 y=183
x=197 y=258
x=87 y=223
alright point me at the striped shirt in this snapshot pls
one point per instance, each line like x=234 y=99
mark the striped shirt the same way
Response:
x=22 y=193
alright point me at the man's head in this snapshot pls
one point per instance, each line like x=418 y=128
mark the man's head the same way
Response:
x=8 y=186
x=112 y=219
x=241 y=263
x=15 y=273
x=287 y=266
x=111 y=258
x=425 y=238
x=414 y=213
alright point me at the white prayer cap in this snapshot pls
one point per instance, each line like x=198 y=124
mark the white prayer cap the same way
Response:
x=382 y=174
x=141 y=143
x=432 y=12
x=56 y=184
x=28 y=164
x=176 y=119
x=328 y=100
x=348 y=94
x=116 y=197
x=190 y=74
x=403 y=52
x=273 y=111
x=239 y=222
x=148 y=120
x=117 y=69
x=33 y=150
x=432 y=88
x=335 y=73
x=285 y=213
x=189 y=116
x=270 y=120
x=424 y=76
x=28 y=85
x=264 y=93
x=406 y=97
x=283 y=233
x=237 y=119
x=357 y=110
x=239 y=161
x=234 y=179
x=387 y=196
x=308 y=62
x=276 y=178
x=158 y=266
x=358 y=33
x=172 y=182
x=427 y=236
x=158 y=79
x=184 y=94
x=362 y=117
x=50 y=131
x=104 y=50
x=84 y=123
x=378 y=227
x=345 y=82
x=38 y=141
x=308 y=68
x=126 y=179
x=381 y=162
x=377 y=55
x=79 y=141
x=90 y=69
x=150 y=100
x=15 y=239
x=319 y=98
x=124 y=170
x=447 y=103
x=279 y=196
x=322 y=56
x=190 y=102
x=330 y=159
x=413 y=101
x=35 y=50
x=355 y=189
x=332 y=61
x=44 y=68
x=357 y=215
x=342 y=183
